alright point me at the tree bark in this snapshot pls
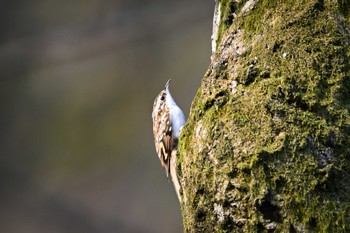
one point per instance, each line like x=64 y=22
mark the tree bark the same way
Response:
x=266 y=147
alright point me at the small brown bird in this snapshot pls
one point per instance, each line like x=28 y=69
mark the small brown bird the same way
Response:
x=168 y=120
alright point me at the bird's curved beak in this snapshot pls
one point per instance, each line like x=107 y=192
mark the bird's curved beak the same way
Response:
x=167 y=84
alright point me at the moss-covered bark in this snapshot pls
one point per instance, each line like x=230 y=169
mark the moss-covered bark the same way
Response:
x=267 y=144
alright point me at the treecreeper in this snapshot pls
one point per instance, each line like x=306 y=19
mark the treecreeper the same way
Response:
x=168 y=120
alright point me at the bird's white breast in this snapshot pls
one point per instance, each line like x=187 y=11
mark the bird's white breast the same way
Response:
x=177 y=116
x=178 y=120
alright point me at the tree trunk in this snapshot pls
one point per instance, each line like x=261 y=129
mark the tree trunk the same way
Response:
x=266 y=147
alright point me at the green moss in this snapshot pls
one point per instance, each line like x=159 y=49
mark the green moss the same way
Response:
x=227 y=9
x=266 y=144
x=344 y=7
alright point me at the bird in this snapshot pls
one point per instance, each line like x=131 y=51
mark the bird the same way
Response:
x=168 y=120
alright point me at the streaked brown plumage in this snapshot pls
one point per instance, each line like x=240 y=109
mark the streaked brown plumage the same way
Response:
x=162 y=131
x=168 y=119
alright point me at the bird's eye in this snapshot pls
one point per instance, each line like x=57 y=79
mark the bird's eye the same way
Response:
x=162 y=98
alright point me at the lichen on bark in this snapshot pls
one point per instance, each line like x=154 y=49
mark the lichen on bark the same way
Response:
x=266 y=145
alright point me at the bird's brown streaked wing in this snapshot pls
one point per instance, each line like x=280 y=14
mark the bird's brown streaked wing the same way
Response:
x=167 y=141
x=163 y=138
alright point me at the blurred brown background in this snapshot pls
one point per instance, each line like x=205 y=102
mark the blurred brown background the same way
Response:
x=78 y=80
